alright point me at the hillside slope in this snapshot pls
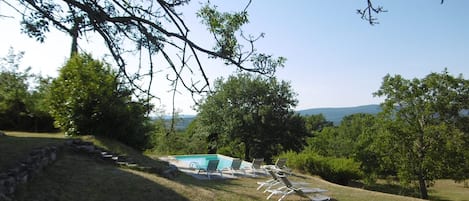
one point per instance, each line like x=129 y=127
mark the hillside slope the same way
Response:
x=77 y=177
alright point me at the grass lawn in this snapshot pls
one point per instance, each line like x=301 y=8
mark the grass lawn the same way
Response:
x=76 y=176
x=446 y=190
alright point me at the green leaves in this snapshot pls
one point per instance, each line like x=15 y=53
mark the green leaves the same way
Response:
x=223 y=26
x=425 y=118
x=87 y=99
x=21 y=105
x=254 y=113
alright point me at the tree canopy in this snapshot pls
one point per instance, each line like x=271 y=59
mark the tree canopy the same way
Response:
x=21 y=107
x=425 y=118
x=252 y=116
x=88 y=99
x=153 y=30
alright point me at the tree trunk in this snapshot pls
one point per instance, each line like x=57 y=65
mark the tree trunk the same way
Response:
x=421 y=155
x=246 y=152
x=423 y=187
x=74 y=34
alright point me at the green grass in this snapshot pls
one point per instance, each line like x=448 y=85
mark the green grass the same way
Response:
x=119 y=148
x=442 y=190
x=76 y=176
x=446 y=190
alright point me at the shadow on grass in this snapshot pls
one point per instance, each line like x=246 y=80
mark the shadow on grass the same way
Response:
x=15 y=148
x=77 y=177
x=437 y=198
x=389 y=187
x=242 y=188
x=121 y=149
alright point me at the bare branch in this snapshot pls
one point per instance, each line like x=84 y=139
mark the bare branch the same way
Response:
x=368 y=12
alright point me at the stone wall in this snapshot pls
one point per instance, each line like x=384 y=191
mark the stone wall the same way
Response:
x=39 y=158
x=25 y=170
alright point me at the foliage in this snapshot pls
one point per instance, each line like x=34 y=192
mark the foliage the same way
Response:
x=223 y=26
x=315 y=123
x=372 y=147
x=153 y=30
x=337 y=170
x=424 y=118
x=343 y=140
x=361 y=137
x=87 y=98
x=251 y=116
x=21 y=106
x=197 y=138
x=165 y=140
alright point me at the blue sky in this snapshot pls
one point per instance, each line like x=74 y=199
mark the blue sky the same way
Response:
x=334 y=59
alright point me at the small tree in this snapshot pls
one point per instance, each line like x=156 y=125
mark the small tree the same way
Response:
x=87 y=99
x=425 y=118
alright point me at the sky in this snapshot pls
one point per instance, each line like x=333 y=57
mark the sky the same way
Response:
x=334 y=58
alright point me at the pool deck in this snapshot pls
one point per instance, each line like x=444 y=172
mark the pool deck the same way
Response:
x=227 y=174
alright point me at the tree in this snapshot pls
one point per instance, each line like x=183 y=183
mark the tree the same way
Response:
x=250 y=115
x=154 y=28
x=14 y=93
x=315 y=123
x=424 y=118
x=365 y=141
x=41 y=120
x=88 y=99
x=20 y=103
x=342 y=140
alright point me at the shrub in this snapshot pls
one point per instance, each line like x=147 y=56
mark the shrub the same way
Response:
x=337 y=170
x=88 y=98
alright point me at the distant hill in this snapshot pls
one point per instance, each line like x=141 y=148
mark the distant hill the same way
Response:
x=331 y=114
x=182 y=122
x=337 y=114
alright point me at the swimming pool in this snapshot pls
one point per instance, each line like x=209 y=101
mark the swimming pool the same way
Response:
x=201 y=160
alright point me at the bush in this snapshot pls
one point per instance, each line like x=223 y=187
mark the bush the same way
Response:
x=21 y=99
x=88 y=98
x=337 y=170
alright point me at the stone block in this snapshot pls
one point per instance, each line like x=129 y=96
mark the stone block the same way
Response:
x=3 y=197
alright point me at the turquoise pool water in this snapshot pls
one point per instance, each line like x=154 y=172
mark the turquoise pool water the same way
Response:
x=202 y=160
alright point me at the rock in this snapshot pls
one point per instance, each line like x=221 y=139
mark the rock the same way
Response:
x=68 y=142
x=25 y=169
x=3 y=197
x=53 y=155
x=9 y=185
x=87 y=148
x=171 y=172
